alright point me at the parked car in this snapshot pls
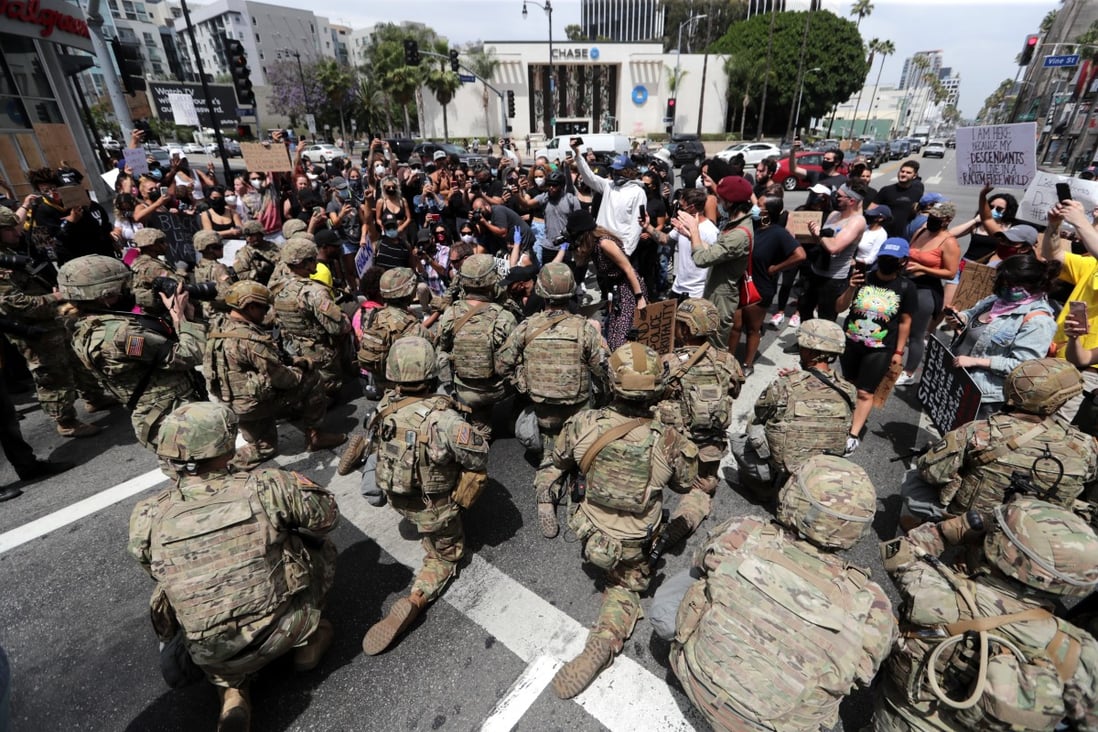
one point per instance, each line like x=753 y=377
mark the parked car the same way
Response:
x=605 y=146
x=916 y=144
x=232 y=149
x=874 y=152
x=160 y=155
x=934 y=149
x=753 y=152
x=685 y=149
x=193 y=148
x=951 y=143
x=110 y=144
x=426 y=151
x=899 y=149
x=825 y=144
x=321 y=152
x=807 y=159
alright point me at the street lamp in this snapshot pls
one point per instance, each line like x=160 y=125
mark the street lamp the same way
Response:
x=800 y=97
x=678 y=57
x=547 y=6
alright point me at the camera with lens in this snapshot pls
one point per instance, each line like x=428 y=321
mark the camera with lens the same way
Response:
x=827 y=232
x=476 y=216
x=560 y=239
x=167 y=287
x=15 y=261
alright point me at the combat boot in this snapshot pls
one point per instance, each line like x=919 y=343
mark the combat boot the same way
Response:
x=576 y=675
x=352 y=454
x=76 y=428
x=317 y=440
x=381 y=635
x=547 y=520
x=102 y=405
x=236 y=711
x=308 y=656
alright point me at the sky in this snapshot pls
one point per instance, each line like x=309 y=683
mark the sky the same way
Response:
x=978 y=38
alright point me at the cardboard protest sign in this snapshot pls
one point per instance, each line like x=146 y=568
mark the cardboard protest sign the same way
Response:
x=947 y=393
x=888 y=383
x=1002 y=155
x=74 y=196
x=137 y=160
x=267 y=158
x=798 y=224
x=655 y=326
x=1040 y=196
x=183 y=111
x=977 y=282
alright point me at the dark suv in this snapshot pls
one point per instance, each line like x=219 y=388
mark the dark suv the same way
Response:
x=685 y=149
x=899 y=149
x=426 y=151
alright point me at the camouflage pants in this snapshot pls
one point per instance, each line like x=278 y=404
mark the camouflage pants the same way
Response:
x=621 y=606
x=328 y=365
x=757 y=475
x=58 y=375
x=443 y=540
x=549 y=480
x=260 y=429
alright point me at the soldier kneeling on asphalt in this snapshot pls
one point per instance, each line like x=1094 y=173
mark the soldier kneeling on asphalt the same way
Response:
x=804 y=412
x=771 y=628
x=241 y=562
x=246 y=371
x=382 y=326
x=981 y=648
x=431 y=463
x=1027 y=447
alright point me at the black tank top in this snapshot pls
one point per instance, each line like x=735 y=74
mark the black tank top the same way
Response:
x=220 y=227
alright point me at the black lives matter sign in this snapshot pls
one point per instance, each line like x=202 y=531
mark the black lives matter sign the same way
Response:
x=947 y=393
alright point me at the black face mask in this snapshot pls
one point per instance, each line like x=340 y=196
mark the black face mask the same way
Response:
x=888 y=265
x=218 y=205
x=828 y=164
x=934 y=224
x=154 y=195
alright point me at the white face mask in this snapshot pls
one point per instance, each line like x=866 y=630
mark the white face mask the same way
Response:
x=468 y=238
x=257 y=183
x=539 y=181
x=230 y=199
x=379 y=170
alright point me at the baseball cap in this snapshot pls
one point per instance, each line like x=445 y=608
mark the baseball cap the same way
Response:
x=622 y=162
x=439 y=155
x=734 y=189
x=337 y=183
x=1022 y=234
x=327 y=238
x=820 y=190
x=894 y=247
x=520 y=274
x=880 y=212
x=929 y=199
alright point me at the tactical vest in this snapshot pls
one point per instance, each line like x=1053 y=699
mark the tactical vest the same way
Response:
x=220 y=561
x=474 y=353
x=255 y=263
x=773 y=598
x=704 y=387
x=553 y=361
x=404 y=464
x=1037 y=457
x=235 y=384
x=816 y=420
x=292 y=316
x=619 y=478
x=382 y=327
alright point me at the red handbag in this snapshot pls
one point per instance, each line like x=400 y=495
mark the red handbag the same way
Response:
x=749 y=293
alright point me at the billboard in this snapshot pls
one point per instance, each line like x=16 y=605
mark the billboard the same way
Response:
x=222 y=96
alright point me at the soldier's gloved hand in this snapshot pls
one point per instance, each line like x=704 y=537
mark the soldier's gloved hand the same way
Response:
x=302 y=362
x=963 y=529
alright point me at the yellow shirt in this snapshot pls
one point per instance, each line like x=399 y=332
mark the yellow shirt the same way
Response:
x=323 y=275
x=1083 y=273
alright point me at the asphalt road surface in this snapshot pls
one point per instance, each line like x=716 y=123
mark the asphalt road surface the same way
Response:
x=84 y=656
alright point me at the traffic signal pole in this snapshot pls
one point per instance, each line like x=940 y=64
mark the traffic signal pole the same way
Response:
x=455 y=64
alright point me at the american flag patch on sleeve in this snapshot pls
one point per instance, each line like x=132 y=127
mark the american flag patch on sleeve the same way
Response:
x=135 y=346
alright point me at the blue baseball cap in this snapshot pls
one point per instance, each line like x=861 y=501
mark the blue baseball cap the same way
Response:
x=894 y=247
x=879 y=212
x=622 y=162
x=929 y=199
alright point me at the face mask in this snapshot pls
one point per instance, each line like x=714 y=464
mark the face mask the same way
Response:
x=231 y=200
x=722 y=210
x=1011 y=294
x=539 y=181
x=156 y=173
x=996 y=215
x=391 y=191
x=154 y=194
x=827 y=164
x=756 y=212
x=699 y=184
x=888 y=265
x=441 y=237
x=468 y=238
x=218 y=205
x=391 y=233
x=355 y=184
x=256 y=183
x=341 y=195
x=643 y=169
x=379 y=170
x=934 y=224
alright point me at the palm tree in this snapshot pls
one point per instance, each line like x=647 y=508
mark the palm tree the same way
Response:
x=443 y=83
x=873 y=43
x=861 y=8
x=884 y=48
x=485 y=65
x=674 y=76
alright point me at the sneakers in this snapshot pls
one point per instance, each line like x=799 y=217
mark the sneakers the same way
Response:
x=852 y=443
x=317 y=440
x=76 y=428
x=352 y=454
x=236 y=711
x=905 y=379
x=547 y=520
x=795 y=321
x=777 y=319
x=308 y=656
x=748 y=370
x=382 y=633
x=576 y=675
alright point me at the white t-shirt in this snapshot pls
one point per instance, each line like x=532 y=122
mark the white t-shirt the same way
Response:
x=689 y=277
x=869 y=245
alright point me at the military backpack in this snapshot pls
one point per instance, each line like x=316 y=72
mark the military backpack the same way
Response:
x=474 y=349
x=618 y=466
x=816 y=420
x=408 y=462
x=553 y=360
x=705 y=386
x=378 y=333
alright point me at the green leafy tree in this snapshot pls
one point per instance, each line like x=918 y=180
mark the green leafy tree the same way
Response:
x=1046 y=24
x=996 y=102
x=861 y=8
x=485 y=65
x=573 y=32
x=443 y=83
x=383 y=57
x=833 y=45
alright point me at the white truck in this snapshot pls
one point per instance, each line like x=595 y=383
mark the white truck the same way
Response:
x=922 y=134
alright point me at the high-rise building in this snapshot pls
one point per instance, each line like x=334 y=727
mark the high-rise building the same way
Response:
x=911 y=67
x=622 y=20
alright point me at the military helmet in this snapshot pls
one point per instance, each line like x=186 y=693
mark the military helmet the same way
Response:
x=197 y=431
x=247 y=292
x=397 y=283
x=92 y=277
x=148 y=236
x=411 y=359
x=204 y=239
x=1042 y=386
x=479 y=272
x=292 y=227
x=252 y=227
x=635 y=371
x=1043 y=546
x=699 y=316
x=7 y=218
x=829 y=500
x=821 y=335
x=555 y=281
x=298 y=250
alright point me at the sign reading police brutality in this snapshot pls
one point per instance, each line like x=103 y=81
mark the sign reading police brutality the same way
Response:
x=1041 y=195
x=947 y=393
x=1002 y=155
x=655 y=326
x=179 y=229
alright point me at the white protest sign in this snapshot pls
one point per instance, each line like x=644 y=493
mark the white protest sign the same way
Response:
x=183 y=109
x=1002 y=155
x=1041 y=195
x=136 y=160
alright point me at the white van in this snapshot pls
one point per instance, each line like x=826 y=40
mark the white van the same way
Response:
x=602 y=144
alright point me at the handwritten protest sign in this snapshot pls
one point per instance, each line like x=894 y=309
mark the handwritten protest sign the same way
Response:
x=271 y=158
x=1040 y=196
x=137 y=160
x=947 y=393
x=977 y=282
x=179 y=230
x=798 y=224
x=655 y=326
x=1002 y=155
x=183 y=111
x=73 y=196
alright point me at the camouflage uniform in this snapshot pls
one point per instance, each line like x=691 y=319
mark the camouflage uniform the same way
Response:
x=209 y=269
x=123 y=349
x=256 y=262
x=727 y=262
x=312 y=324
x=382 y=326
x=147 y=268
x=241 y=565
x=470 y=333
x=1040 y=671
x=281 y=273
x=778 y=627
x=621 y=509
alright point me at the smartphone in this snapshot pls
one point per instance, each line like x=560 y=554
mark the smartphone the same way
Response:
x=163 y=190
x=1063 y=192
x=318 y=211
x=643 y=215
x=1078 y=311
x=576 y=141
x=860 y=267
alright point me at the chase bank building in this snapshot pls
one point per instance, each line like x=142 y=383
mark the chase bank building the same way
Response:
x=584 y=87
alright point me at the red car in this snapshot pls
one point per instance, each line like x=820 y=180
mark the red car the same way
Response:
x=807 y=159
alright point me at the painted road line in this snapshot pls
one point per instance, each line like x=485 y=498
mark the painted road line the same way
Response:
x=521 y=696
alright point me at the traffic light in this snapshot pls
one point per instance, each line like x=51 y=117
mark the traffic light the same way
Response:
x=411 y=52
x=237 y=61
x=510 y=103
x=128 y=58
x=670 y=109
x=454 y=60
x=1028 y=49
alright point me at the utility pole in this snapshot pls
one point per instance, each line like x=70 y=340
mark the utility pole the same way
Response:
x=214 y=121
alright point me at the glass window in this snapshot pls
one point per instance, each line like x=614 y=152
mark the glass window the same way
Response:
x=25 y=67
